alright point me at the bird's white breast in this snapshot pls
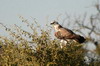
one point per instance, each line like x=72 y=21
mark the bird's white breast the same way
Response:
x=56 y=27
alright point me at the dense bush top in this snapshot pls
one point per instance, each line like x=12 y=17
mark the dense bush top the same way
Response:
x=37 y=49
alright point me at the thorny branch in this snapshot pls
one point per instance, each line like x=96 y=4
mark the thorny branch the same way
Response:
x=92 y=25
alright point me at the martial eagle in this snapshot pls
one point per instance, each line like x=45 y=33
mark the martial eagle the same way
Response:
x=64 y=33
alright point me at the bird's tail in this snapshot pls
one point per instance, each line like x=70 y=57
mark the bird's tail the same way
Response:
x=80 y=39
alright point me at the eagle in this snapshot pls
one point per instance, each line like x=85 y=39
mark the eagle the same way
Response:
x=65 y=33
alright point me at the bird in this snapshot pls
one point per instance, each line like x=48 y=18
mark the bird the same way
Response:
x=66 y=34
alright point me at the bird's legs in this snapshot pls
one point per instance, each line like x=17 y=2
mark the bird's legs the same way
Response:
x=63 y=43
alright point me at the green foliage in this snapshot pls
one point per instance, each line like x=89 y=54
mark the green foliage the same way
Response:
x=53 y=55
x=17 y=50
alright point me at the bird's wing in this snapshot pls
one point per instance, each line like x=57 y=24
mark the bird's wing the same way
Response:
x=58 y=35
x=66 y=33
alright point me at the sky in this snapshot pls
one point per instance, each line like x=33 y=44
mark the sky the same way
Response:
x=42 y=10
x=10 y=10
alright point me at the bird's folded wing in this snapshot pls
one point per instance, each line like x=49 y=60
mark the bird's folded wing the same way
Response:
x=66 y=33
x=58 y=35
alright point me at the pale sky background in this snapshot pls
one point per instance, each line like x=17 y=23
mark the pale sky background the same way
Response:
x=41 y=9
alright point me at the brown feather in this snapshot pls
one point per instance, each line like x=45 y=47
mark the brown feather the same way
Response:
x=65 y=34
x=58 y=35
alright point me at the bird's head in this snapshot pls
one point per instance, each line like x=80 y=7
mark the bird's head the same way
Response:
x=56 y=25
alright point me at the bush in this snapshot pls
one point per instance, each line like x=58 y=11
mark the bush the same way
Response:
x=38 y=48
